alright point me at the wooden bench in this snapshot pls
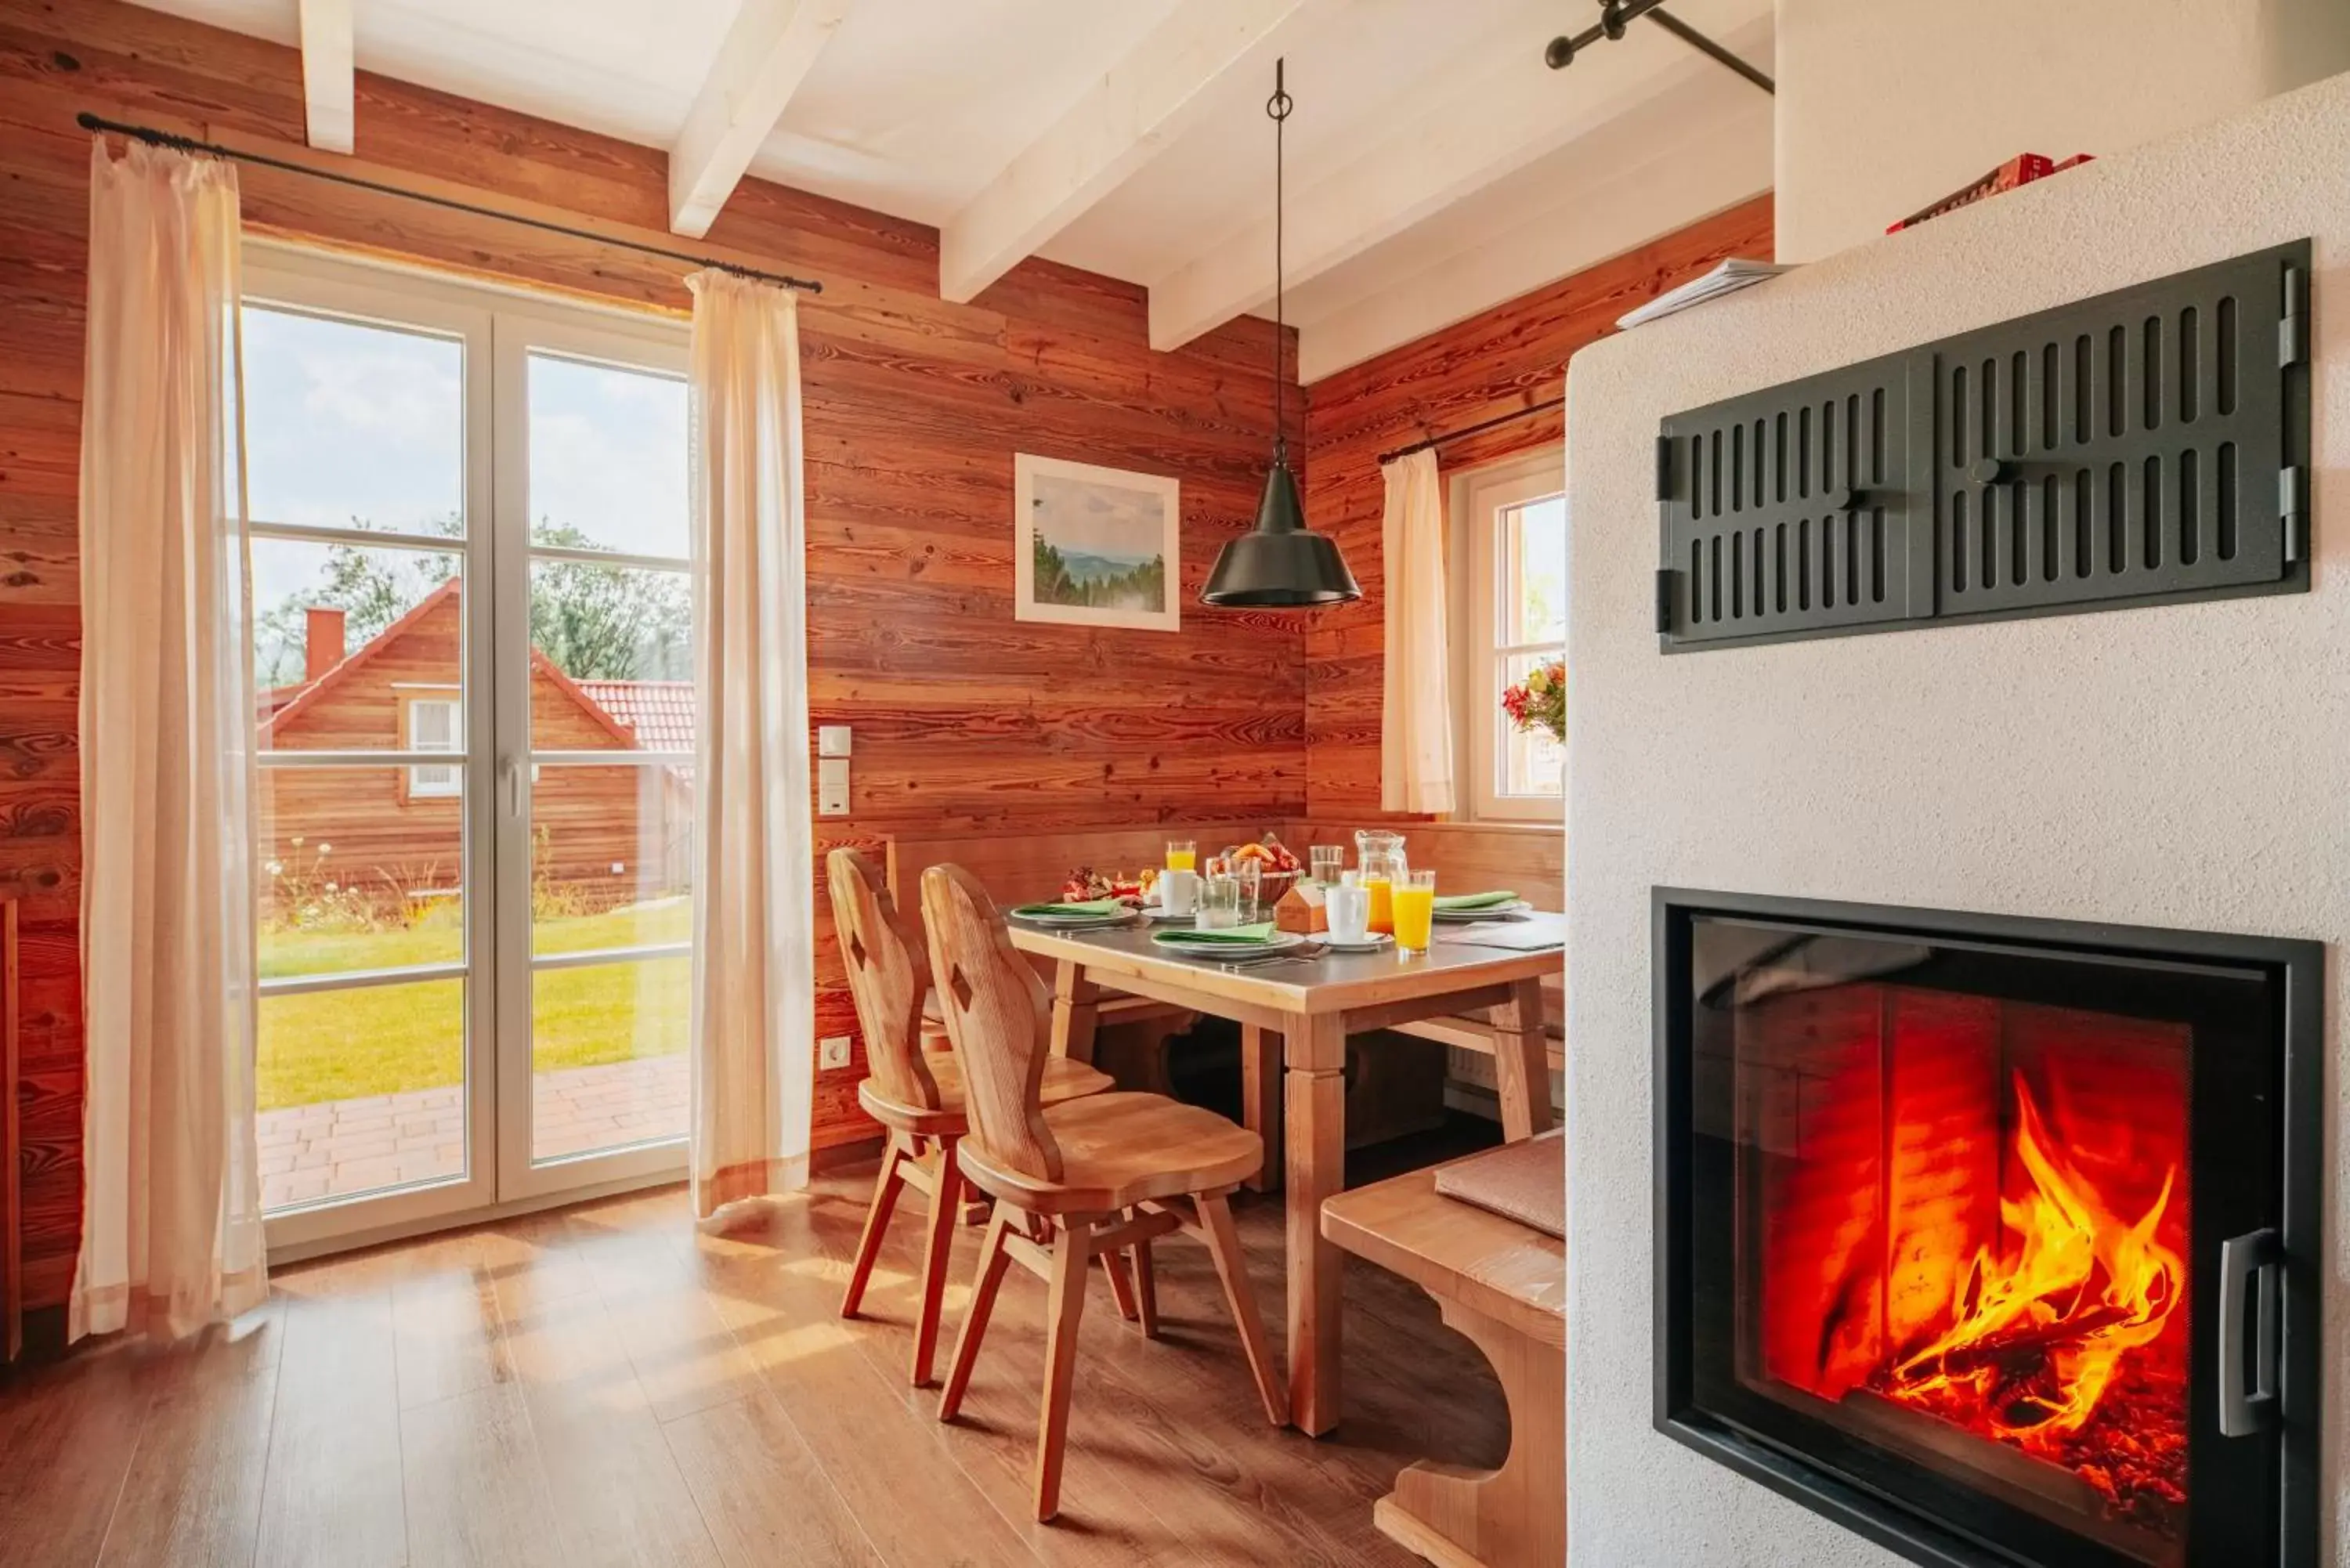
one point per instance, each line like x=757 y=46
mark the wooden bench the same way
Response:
x=1504 y=1285
x=1472 y=1032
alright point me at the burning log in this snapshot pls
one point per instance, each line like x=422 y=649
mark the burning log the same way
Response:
x=2015 y=1349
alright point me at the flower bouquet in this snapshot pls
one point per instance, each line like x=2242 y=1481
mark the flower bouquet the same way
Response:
x=1539 y=701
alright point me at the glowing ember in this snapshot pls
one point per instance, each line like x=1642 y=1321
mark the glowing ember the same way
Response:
x=2037 y=1337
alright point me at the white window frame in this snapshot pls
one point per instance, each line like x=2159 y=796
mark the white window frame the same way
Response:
x=1478 y=497
x=433 y=781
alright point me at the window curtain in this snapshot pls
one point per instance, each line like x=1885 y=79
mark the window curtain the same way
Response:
x=754 y=1030
x=172 y=1235
x=1416 y=718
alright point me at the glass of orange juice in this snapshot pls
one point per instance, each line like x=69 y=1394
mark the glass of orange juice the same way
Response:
x=1414 y=910
x=1182 y=855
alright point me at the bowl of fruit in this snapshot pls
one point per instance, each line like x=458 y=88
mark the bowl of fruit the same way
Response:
x=1278 y=867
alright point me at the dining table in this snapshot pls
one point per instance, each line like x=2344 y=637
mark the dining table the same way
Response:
x=1296 y=1014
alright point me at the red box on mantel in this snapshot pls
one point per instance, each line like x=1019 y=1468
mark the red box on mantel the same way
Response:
x=2021 y=169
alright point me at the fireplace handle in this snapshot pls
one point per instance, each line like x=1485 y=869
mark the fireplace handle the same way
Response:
x=2256 y=1254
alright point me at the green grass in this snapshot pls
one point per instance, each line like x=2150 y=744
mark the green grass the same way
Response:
x=388 y=1039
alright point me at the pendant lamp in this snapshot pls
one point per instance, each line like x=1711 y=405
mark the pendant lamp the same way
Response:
x=1280 y=563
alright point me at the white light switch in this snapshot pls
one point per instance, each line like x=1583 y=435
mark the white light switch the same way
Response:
x=832 y=740
x=832 y=786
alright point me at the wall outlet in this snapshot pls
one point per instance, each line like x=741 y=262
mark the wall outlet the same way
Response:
x=832 y=1051
x=832 y=786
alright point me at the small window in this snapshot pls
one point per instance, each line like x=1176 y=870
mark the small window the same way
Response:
x=433 y=725
x=1509 y=550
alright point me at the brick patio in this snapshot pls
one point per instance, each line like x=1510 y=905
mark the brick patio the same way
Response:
x=339 y=1146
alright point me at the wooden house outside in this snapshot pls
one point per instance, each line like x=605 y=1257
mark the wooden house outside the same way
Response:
x=389 y=840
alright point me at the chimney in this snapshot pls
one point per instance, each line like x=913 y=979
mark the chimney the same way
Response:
x=322 y=642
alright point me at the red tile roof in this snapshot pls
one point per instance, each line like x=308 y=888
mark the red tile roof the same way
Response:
x=659 y=712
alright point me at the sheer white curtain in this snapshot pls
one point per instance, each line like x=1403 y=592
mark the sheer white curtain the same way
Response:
x=172 y=1236
x=753 y=1037
x=1416 y=719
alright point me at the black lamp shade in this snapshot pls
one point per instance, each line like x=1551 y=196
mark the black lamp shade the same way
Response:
x=1281 y=563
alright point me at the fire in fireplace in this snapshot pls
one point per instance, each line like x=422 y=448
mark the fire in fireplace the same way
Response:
x=1946 y=1206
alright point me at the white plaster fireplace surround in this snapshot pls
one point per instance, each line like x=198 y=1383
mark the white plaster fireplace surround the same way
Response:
x=2180 y=766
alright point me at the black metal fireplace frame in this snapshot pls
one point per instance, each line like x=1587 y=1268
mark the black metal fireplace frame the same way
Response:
x=2299 y=966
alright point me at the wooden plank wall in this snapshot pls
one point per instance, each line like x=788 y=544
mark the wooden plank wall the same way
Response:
x=966 y=721
x=1512 y=357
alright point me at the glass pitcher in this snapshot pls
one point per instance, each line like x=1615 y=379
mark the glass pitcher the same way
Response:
x=1378 y=855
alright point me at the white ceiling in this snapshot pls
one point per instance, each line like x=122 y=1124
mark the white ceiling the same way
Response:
x=1436 y=167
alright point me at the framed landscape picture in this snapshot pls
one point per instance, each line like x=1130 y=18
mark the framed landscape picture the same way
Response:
x=1095 y=546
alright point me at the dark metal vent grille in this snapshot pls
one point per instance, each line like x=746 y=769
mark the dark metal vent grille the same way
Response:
x=1791 y=511
x=2126 y=446
x=2146 y=446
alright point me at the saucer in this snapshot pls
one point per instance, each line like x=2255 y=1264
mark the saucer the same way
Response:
x=1369 y=944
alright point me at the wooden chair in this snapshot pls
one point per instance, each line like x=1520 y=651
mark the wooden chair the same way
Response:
x=1076 y=1179
x=917 y=1095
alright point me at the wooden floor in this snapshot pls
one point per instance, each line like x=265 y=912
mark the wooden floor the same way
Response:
x=605 y=1386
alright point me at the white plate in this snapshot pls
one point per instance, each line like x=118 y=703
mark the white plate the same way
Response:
x=1153 y=912
x=1072 y=922
x=1370 y=944
x=1491 y=912
x=1280 y=941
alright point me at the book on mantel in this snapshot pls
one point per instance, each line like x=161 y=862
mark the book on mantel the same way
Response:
x=1728 y=278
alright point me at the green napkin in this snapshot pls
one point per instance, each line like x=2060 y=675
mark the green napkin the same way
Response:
x=1090 y=906
x=1259 y=932
x=1474 y=900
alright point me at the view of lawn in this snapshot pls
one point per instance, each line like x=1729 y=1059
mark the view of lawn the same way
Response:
x=385 y=1039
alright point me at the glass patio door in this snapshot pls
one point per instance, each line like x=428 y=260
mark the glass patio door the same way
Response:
x=474 y=669
x=595 y=673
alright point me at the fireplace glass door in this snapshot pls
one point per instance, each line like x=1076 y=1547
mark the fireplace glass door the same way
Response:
x=1955 y=1222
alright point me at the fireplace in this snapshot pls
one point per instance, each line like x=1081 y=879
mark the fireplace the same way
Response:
x=1992 y=1238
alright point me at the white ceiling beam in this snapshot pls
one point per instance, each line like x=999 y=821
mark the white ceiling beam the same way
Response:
x=1140 y=106
x=1691 y=153
x=1462 y=136
x=767 y=54
x=328 y=92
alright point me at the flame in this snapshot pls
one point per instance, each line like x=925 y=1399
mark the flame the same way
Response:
x=2036 y=1339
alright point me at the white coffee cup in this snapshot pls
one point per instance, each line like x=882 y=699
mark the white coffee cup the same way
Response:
x=1179 y=892
x=1349 y=906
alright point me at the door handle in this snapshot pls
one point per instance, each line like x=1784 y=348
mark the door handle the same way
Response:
x=2254 y=1255
x=511 y=772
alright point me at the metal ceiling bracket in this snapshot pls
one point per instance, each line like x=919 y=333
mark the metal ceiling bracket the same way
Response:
x=1615 y=15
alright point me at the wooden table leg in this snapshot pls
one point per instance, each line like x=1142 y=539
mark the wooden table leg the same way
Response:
x=1514 y=1517
x=1075 y=1004
x=1522 y=1062
x=1261 y=1096
x=1316 y=1142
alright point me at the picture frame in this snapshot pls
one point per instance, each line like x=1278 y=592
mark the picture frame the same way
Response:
x=1096 y=547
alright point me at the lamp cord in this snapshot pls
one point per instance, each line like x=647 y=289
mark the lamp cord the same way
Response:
x=1278 y=106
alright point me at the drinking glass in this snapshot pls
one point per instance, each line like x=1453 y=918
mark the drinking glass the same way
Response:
x=1413 y=902
x=1182 y=855
x=1250 y=876
x=1327 y=858
x=1219 y=898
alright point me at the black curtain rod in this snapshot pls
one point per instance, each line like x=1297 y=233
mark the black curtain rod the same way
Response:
x=154 y=138
x=1481 y=425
